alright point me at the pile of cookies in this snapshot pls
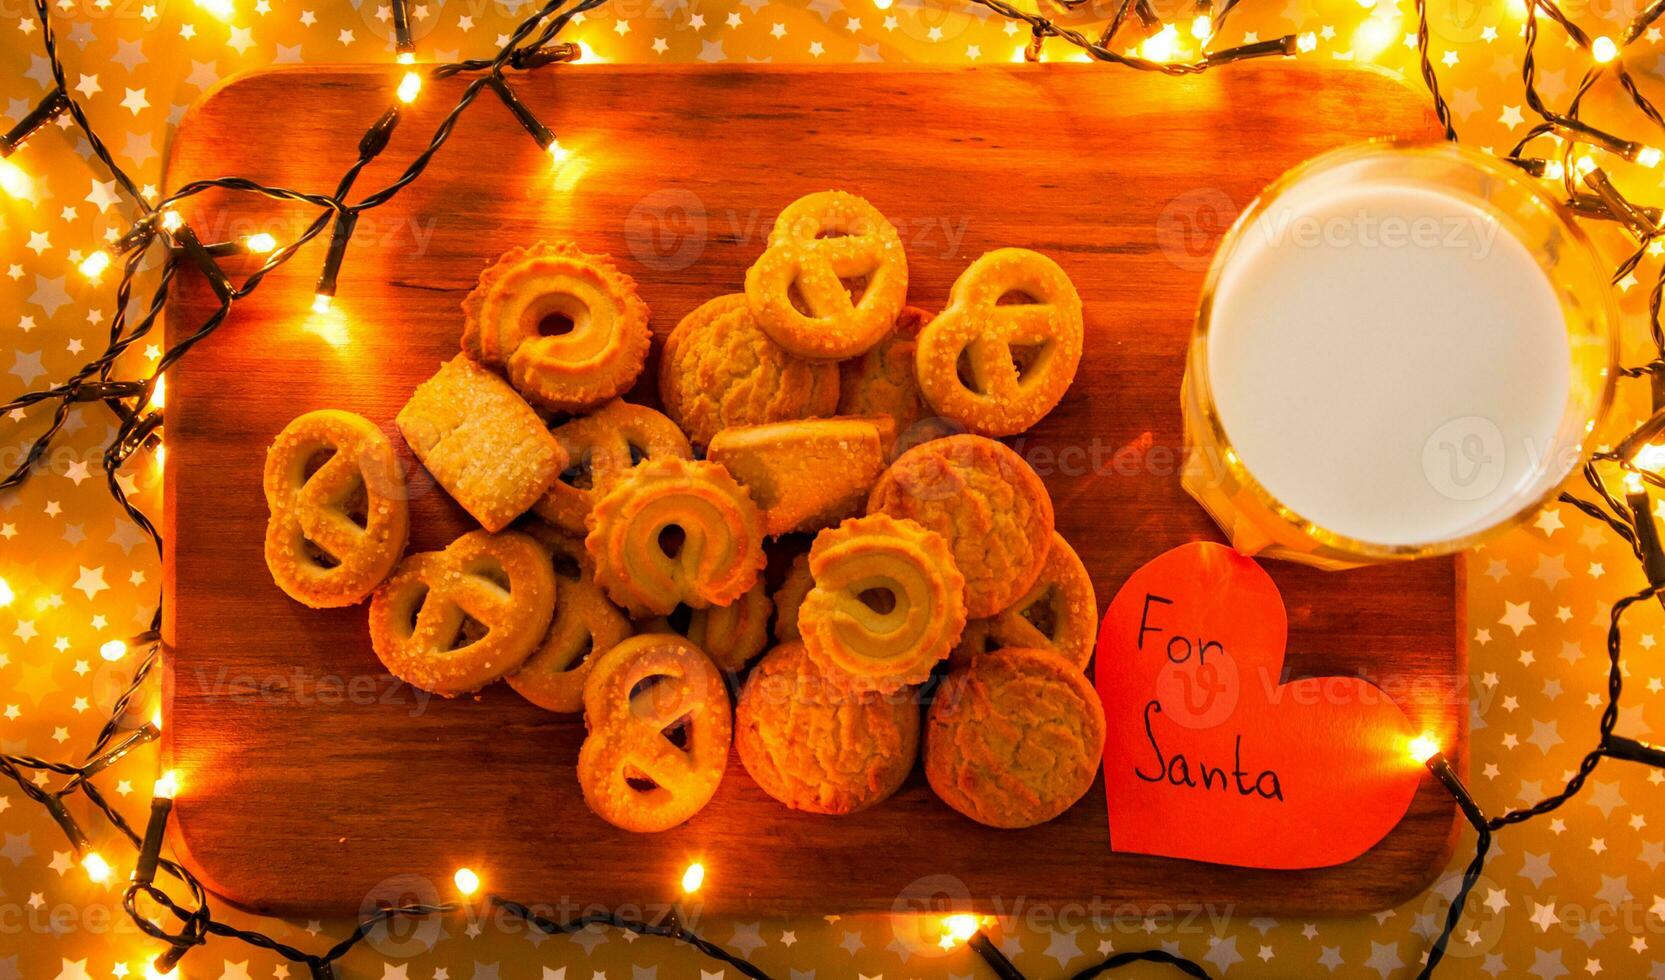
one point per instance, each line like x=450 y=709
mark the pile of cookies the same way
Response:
x=815 y=411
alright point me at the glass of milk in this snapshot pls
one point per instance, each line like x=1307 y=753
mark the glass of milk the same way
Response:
x=1401 y=349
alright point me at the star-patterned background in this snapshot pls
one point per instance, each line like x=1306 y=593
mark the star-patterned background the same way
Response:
x=1577 y=893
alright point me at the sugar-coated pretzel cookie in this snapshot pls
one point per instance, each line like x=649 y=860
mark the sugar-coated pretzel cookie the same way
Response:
x=339 y=517
x=600 y=449
x=988 y=503
x=998 y=368
x=481 y=442
x=657 y=714
x=815 y=746
x=797 y=288
x=453 y=621
x=730 y=635
x=568 y=327
x=1058 y=613
x=807 y=474
x=886 y=605
x=585 y=626
x=675 y=532
x=719 y=369
x=1015 y=738
x=790 y=597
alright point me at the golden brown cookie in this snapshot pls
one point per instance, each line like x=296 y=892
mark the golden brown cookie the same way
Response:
x=815 y=746
x=676 y=532
x=585 y=626
x=719 y=369
x=832 y=280
x=790 y=596
x=568 y=327
x=988 y=503
x=1058 y=613
x=730 y=635
x=453 y=621
x=994 y=366
x=882 y=381
x=481 y=442
x=886 y=605
x=808 y=474
x=339 y=517
x=1014 y=739
x=657 y=714
x=600 y=449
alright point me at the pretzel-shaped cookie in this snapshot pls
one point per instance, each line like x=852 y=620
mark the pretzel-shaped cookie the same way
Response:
x=676 y=532
x=339 y=517
x=1058 y=613
x=659 y=730
x=887 y=603
x=585 y=626
x=998 y=368
x=819 y=241
x=730 y=635
x=453 y=621
x=600 y=449
x=596 y=359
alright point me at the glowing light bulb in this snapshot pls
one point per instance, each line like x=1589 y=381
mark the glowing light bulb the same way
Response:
x=1650 y=457
x=882 y=4
x=6 y=593
x=1603 y=50
x=693 y=878
x=14 y=181
x=321 y=303
x=558 y=154
x=1649 y=156
x=467 y=881
x=587 y=53
x=156 y=718
x=1583 y=165
x=171 y=221
x=410 y=87
x=259 y=243
x=96 y=867
x=153 y=972
x=1423 y=748
x=222 y=9
x=1633 y=483
x=405 y=57
x=1307 y=42
x=94 y=265
x=1020 y=55
x=113 y=651
x=1162 y=45
x=167 y=786
x=1553 y=170
x=1202 y=27
x=957 y=929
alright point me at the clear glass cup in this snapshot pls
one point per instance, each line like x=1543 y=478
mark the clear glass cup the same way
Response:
x=1269 y=404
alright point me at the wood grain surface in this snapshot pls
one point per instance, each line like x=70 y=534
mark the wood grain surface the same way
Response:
x=315 y=783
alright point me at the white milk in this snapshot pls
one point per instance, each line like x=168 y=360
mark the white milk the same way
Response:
x=1391 y=363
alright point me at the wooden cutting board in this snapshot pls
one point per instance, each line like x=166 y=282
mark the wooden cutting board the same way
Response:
x=312 y=778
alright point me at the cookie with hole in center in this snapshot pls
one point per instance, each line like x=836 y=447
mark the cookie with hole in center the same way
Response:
x=986 y=501
x=1058 y=613
x=886 y=605
x=338 y=514
x=567 y=327
x=809 y=474
x=585 y=626
x=656 y=712
x=453 y=621
x=481 y=442
x=676 y=532
x=1015 y=738
x=719 y=369
x=815 y=746
x=600 y=449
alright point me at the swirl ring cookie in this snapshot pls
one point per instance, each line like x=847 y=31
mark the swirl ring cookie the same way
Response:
x=1058 y=613
x=988 y=503
x=600 y=449
x=797 y=288
x=655 y=752
x=886 y=605
x=585 y=626
x=730 y=635
x=453 y=621
x=814 y=746
x=339 y=518
x=520 y=297
x=1014 y=739
x=998 y=368
x=676 y=532
x=719 y=369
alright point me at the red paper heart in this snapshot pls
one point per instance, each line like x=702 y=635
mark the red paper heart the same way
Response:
x=1306 y=774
